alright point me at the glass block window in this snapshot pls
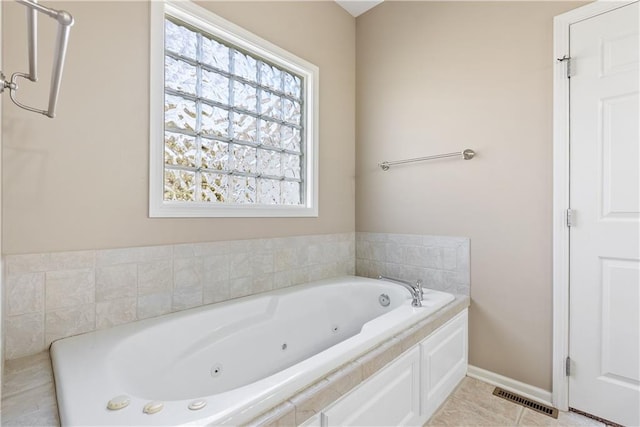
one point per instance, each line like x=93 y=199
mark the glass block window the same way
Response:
x=237 y=122
x=226 y=112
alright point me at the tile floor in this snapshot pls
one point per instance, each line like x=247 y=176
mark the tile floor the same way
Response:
x=473 y=404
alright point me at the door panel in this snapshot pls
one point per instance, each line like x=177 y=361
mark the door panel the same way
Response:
x=620 y=172
x=620 y=280
x=389 y=398
x=604 y=255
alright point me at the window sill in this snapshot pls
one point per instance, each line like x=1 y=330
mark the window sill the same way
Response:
x=207 y=210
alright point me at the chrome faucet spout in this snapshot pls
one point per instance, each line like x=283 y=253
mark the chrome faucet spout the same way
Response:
x=414 y=288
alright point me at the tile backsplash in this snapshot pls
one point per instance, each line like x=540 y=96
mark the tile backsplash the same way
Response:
x=441 y=262
x=54 y=295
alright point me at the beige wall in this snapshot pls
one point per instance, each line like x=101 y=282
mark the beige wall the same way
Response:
x=80 y=181
x=432 y=77
x=438 y=77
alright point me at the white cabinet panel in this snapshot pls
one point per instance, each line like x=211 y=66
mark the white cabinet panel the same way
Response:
x=444 y=362
x=315 y=421
x=389 y=398
x=409 y=390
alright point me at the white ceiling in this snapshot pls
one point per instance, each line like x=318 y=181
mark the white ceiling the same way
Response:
x=358 y=7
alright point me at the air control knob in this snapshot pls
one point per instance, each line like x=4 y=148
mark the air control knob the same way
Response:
x=153 y=407
x=118 y=402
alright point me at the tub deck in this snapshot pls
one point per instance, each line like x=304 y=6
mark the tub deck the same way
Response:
x=28 y=393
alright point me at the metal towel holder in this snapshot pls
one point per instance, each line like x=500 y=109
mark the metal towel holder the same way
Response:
x=65 y=21
x=466 y=155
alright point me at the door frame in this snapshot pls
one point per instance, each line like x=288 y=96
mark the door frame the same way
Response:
x=561 y=158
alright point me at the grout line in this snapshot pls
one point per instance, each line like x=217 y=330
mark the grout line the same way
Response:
x=520 y=415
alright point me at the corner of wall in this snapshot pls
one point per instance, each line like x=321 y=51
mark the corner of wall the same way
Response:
x=441 y=262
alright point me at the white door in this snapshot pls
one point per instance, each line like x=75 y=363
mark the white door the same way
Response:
x=605 y=238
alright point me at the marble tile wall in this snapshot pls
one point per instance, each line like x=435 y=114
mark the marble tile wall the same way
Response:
x=441 y=262
x=54 y=295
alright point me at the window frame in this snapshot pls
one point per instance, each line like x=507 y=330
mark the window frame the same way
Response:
x=213 y=24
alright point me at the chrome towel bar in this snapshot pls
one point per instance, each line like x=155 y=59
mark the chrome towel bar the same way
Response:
x=65 y=21
x=466 y=155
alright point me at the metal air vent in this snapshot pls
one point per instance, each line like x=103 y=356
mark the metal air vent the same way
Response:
x=527 y=403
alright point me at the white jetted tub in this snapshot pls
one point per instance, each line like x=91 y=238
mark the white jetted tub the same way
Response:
x=224 y=364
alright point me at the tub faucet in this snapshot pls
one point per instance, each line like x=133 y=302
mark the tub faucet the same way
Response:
x=414 y=288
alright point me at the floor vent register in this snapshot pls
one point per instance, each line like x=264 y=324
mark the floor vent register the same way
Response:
x=527 y=403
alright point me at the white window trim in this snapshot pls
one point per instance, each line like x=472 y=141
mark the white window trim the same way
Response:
x=217 y=26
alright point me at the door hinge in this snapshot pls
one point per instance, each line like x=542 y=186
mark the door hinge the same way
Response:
x=570 y=65
x=567 y=366
x=571 y=217
x=571 y=68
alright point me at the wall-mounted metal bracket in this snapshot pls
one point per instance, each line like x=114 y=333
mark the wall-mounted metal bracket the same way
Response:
x=65 y=21
x=4 y=84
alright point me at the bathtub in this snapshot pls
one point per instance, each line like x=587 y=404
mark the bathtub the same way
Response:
x=226 y=363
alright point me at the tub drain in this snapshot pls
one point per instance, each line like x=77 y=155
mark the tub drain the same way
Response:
x=284 y=346
x=384 y=300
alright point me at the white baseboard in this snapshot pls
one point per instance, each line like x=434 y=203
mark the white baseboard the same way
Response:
x=525 y=390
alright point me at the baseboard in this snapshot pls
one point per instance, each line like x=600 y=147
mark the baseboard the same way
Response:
x=526 y=390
